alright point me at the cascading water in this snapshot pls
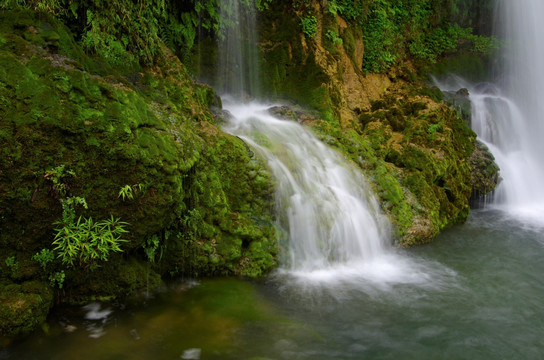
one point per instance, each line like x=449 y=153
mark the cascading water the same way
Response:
x=334 y=223
x=523 y=82
x=509 y=117
x=324 y=202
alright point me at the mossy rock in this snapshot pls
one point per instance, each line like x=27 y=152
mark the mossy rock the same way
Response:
x=416 y=153
x=151 y=131
x=23 y=307
x=485 y=174
x=229 y=227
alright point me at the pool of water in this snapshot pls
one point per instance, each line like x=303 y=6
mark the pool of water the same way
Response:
x=475 y=293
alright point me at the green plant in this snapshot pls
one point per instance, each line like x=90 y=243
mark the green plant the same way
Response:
x=50 y=6
x=85 y=242
x=57 y=279
x=333 y=36
x=44 y=257
x=151 y=246
x=57 y=176
x=192 y=222
x=68 y=208
x=309 y=26
x=12 y=264
x=127 y=191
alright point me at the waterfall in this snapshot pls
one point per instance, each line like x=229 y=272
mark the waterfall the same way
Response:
x=323 y=201
x=334 y=227
x=508 y=115
x=238 y=68
x=523 y=82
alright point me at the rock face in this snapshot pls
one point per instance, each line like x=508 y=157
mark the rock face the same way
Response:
x=196 y=200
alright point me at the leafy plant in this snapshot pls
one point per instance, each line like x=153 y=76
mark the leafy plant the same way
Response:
x=191 y=222
x=151 y=246
x=57 y=176
x=44 y=257
x=12 y=264
x=57 y=279
x=127 y=191
x=86 y=242
x=50 y=6
x=309 y=25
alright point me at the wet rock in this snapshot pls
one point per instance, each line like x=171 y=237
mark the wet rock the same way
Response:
x=460 y=101
x=485 y=174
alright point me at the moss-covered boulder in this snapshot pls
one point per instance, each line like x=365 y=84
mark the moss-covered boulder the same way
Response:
x=141 y=147
x=23 y=307
x=485 y=174
x=416 y=152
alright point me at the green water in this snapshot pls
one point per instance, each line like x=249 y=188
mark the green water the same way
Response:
x=476 y=293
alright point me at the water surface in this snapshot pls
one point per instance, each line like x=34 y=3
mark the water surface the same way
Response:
x=475 y=293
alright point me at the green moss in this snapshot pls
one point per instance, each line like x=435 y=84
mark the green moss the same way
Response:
x=228 y=229
x=23 y=307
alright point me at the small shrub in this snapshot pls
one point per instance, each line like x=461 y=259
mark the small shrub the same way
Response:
x=44 y=257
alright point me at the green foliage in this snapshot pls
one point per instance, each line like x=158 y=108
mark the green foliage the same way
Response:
x=44 y=257
x=191 y=223
x=430 y=46
x=309 y=25
x=122 y=33
x=12 y=264
x=128 y=191
x=50 y=6
x=57 y=176
x=333 y=36
x=85 y=242
x=57 y=279
x=151 y=246
x=394 y=30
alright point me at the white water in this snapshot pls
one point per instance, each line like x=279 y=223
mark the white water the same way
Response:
x=523 y=82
